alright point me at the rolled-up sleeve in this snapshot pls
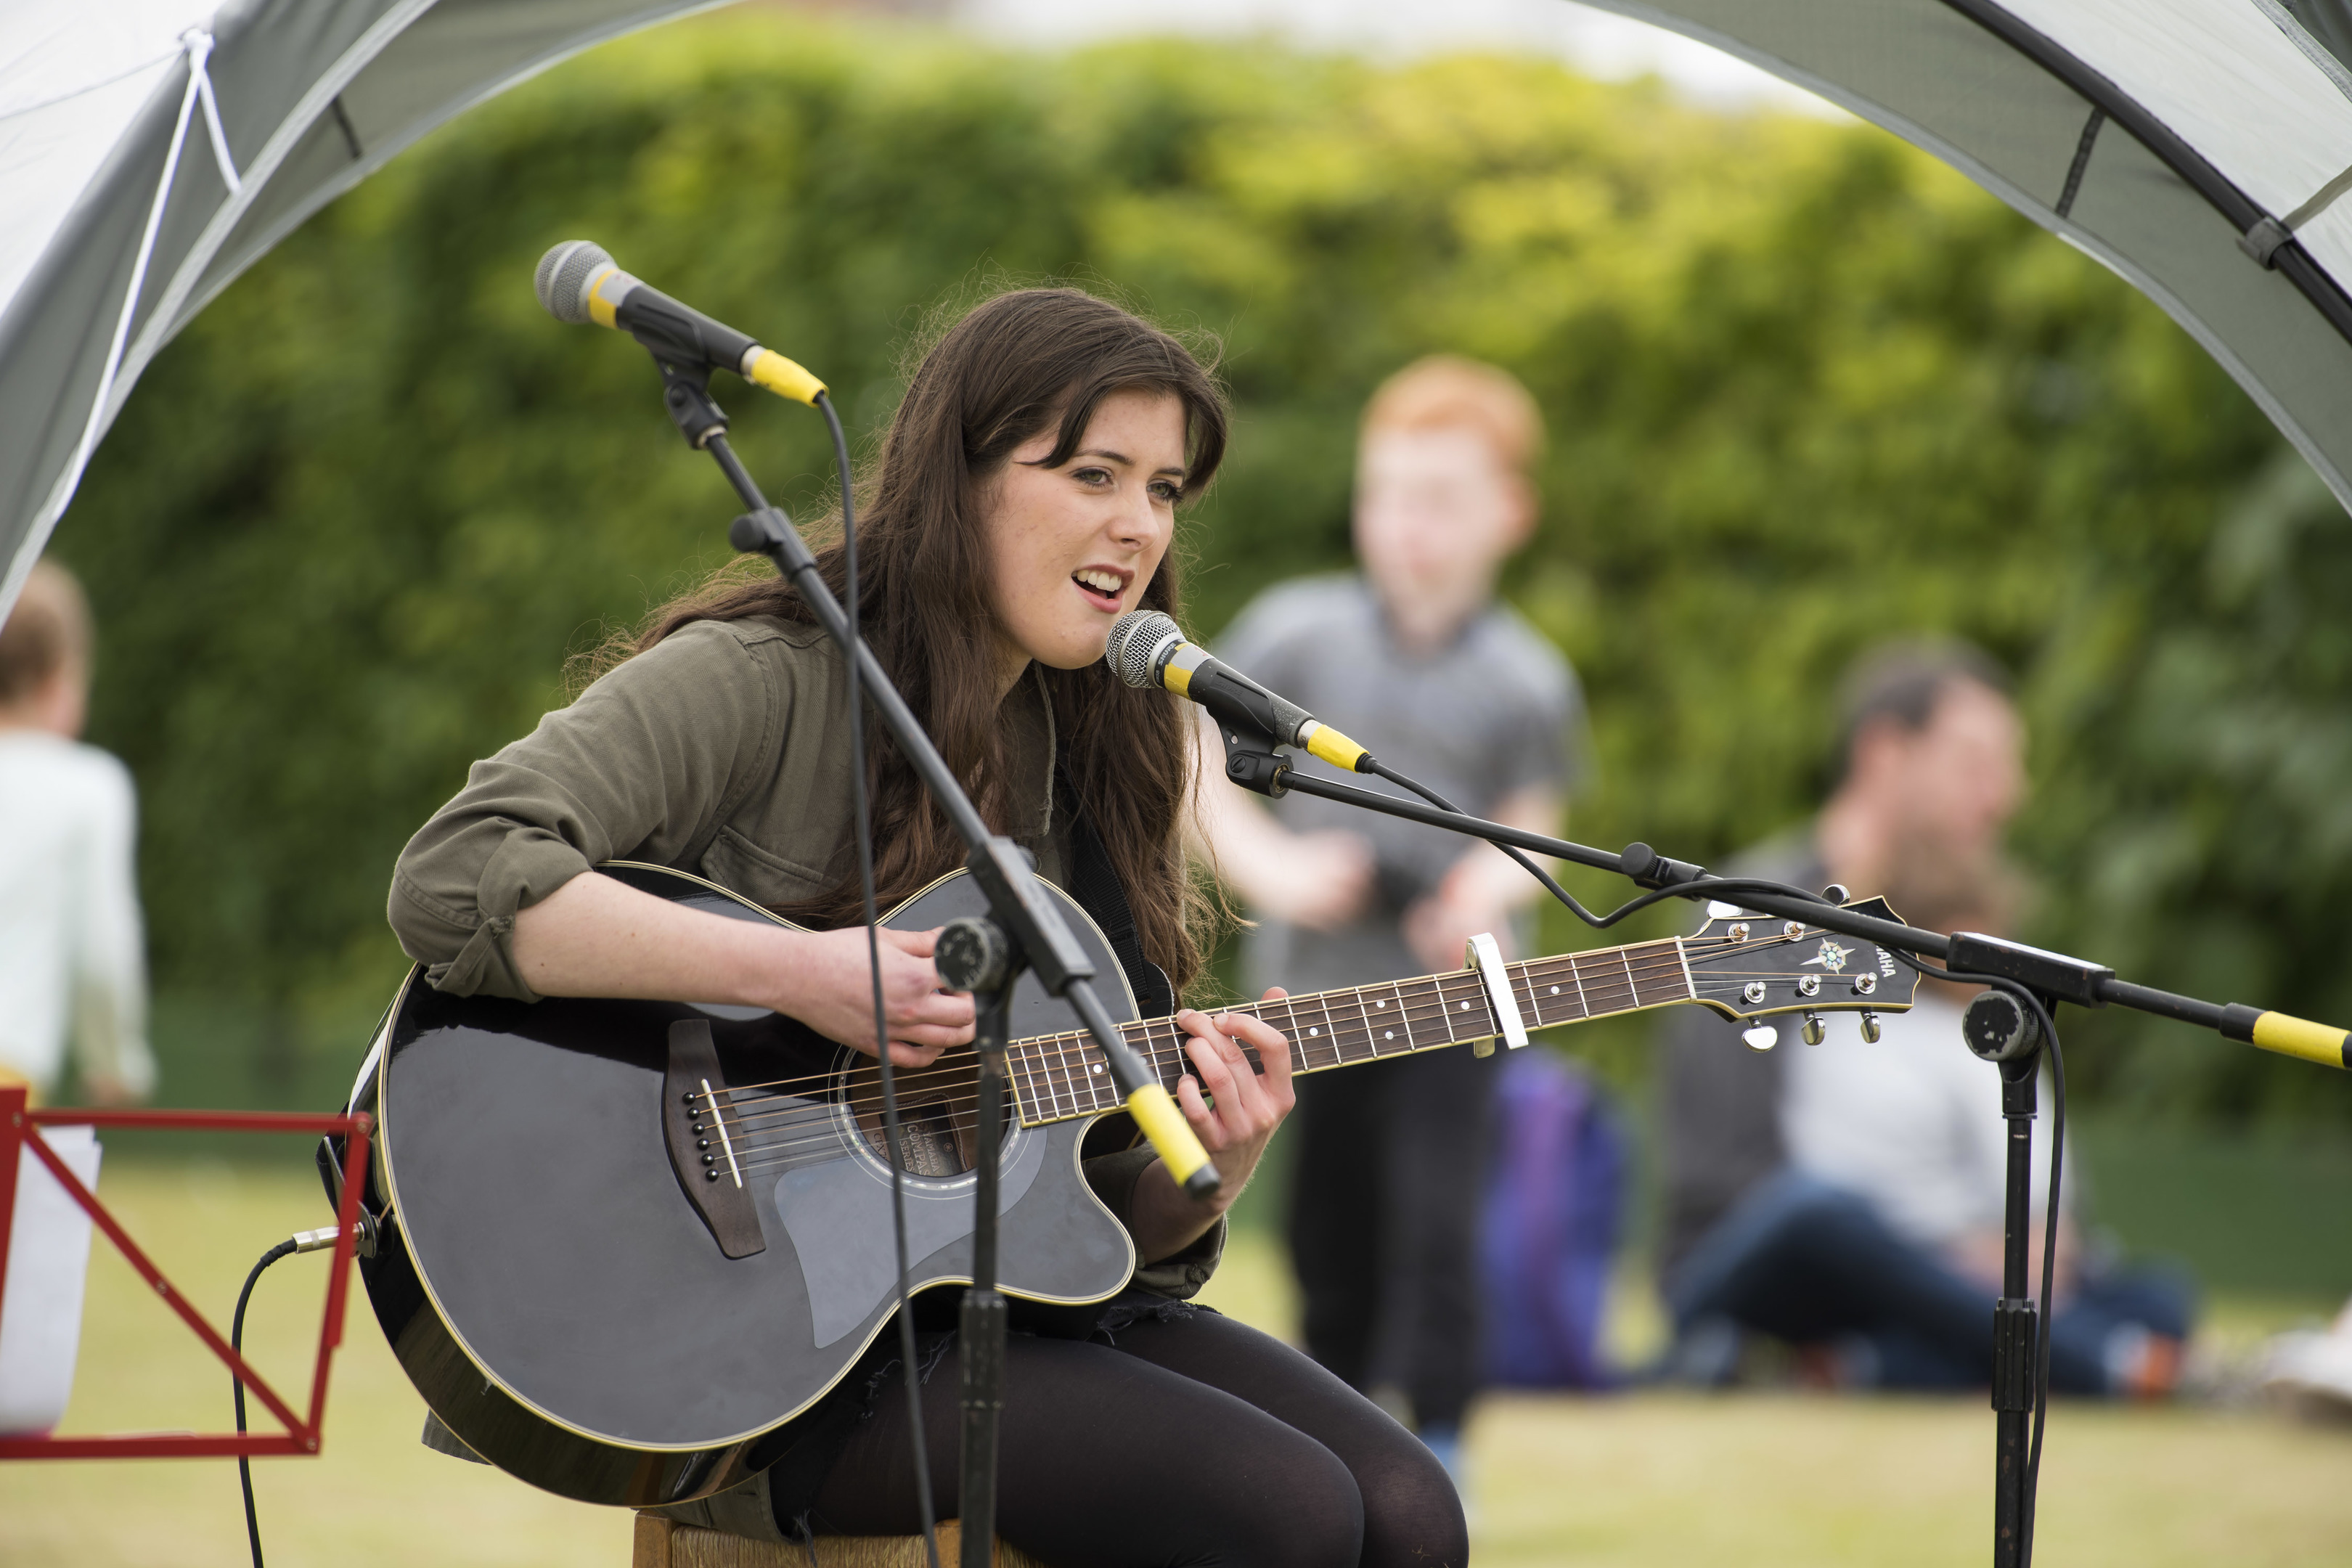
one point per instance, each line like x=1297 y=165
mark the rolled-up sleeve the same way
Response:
x=641 y=765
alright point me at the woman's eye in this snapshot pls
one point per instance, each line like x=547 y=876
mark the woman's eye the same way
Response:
x=1167 y=491
x=1096 y=477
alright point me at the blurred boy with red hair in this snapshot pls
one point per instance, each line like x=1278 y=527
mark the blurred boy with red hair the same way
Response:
x=1416 y=658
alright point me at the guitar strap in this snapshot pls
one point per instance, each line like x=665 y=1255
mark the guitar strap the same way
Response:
x=1095 y=884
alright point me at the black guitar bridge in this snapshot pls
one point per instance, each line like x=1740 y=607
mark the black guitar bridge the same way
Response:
x=699 y=1126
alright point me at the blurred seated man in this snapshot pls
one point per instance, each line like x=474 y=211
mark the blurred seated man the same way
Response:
x=72 y=960
x=1847 y=1198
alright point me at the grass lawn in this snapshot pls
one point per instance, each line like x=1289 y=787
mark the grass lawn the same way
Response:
x=1649 y=1478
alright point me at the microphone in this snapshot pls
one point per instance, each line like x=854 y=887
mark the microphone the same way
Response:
x=577 y=281
x=1147 y=648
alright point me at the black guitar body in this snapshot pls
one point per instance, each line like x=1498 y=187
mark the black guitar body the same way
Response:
x=576 y=1319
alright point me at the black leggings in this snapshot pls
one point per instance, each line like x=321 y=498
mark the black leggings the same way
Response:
x=1188 y=1440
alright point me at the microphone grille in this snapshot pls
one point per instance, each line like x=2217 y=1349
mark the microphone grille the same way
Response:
x=1136 y=640
x=563 y=275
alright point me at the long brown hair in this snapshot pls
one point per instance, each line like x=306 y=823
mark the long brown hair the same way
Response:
x=994 y=381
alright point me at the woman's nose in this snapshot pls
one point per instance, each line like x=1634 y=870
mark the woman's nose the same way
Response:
x=1136 y=521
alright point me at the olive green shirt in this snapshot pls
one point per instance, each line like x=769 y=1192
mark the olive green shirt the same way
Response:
x=723 y=750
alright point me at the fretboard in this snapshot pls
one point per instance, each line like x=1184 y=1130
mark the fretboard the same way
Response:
x=1058 y=1077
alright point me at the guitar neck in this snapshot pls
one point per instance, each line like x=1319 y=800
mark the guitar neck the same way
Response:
x=1058 y=1077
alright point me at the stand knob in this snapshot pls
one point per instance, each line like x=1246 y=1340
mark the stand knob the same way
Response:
x=1997 y=1027
x=972 y=955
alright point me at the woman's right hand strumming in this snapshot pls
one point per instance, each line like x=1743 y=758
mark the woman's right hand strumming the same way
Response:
x=828 y=987
x=594 y=936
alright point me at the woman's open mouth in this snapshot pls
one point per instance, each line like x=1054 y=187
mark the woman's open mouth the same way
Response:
x=1104 y=587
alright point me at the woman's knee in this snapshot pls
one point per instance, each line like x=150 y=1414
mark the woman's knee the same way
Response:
x=1412 y=1515
x=1301 y=1507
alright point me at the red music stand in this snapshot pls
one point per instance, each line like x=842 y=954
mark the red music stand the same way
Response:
x=19 y=1128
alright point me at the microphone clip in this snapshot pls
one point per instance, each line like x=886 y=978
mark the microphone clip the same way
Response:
x=1253 y=761
x=685 y=393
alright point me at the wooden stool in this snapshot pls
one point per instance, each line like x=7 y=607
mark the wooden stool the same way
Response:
x=665 y=1543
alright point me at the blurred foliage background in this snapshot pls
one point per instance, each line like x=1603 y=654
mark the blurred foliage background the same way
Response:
x=1807 y=388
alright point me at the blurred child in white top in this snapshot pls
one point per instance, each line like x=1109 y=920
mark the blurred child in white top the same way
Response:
x=72 y=961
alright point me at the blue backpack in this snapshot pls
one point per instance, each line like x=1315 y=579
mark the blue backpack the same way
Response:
x=1555 y=1200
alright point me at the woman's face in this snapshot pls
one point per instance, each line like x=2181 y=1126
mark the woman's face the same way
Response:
x=1072 y=547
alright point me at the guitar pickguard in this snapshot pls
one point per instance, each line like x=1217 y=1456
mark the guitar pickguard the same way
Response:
x=836 y=1210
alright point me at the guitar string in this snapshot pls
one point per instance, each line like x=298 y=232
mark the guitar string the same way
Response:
x=749 y=1120
x=752 y=1118
x=959 y=1118
x=1534 y=972
x=1417 y=1014
x=757 y=1131
x=755 y=1117
x=1537 y=971
x=768 y=1131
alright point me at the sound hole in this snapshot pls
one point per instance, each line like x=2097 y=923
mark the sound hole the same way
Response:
x=936 y=1111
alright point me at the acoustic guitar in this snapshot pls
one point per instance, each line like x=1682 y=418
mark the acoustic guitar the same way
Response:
x=621 y=1246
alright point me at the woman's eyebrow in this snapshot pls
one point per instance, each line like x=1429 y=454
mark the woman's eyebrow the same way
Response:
x=1121 y=457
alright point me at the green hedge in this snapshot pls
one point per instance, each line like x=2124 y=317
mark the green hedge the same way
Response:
x=1806 y=388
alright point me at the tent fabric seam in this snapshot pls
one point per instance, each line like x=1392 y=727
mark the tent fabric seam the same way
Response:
x=150 y=63
x=2081 y=163
x=2318 y=53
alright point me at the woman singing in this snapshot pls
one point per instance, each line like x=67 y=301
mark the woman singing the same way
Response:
x=1025 y=498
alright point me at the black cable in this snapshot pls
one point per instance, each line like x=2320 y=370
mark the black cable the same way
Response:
x=1382 y=770
x=237 y=1385
x=865 y=828
x=1631 y=906
x=1704 y=886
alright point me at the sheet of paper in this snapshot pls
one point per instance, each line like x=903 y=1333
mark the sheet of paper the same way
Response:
x=48 y=1265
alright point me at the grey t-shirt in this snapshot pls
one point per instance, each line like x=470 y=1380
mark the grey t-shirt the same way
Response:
x=1494 y=712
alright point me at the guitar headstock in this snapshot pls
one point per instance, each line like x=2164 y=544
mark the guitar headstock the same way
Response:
x=1748 y=966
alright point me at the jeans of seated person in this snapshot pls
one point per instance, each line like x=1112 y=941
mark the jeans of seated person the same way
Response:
x=1808 y=1262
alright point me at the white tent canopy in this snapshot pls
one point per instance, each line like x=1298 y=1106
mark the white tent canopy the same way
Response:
x=2197 y=147
x=152 y=150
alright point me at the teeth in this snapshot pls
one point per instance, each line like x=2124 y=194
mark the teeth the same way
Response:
x=1103 y=581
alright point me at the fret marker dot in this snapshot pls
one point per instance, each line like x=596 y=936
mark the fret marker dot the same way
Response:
x=1466 y=1006
x=1379 y=1004
x=1312 y=1032
x=1390 y=1036
x=1554 y=990
x=1097 y=1067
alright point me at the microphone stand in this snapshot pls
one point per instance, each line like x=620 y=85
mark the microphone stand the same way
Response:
x=1023 y=930
x=2021 y=1363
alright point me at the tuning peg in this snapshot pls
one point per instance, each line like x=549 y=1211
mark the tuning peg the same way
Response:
x=1811 y=1031
x=1871 y=1028
x=1837 y=893
x=1762 y=1038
